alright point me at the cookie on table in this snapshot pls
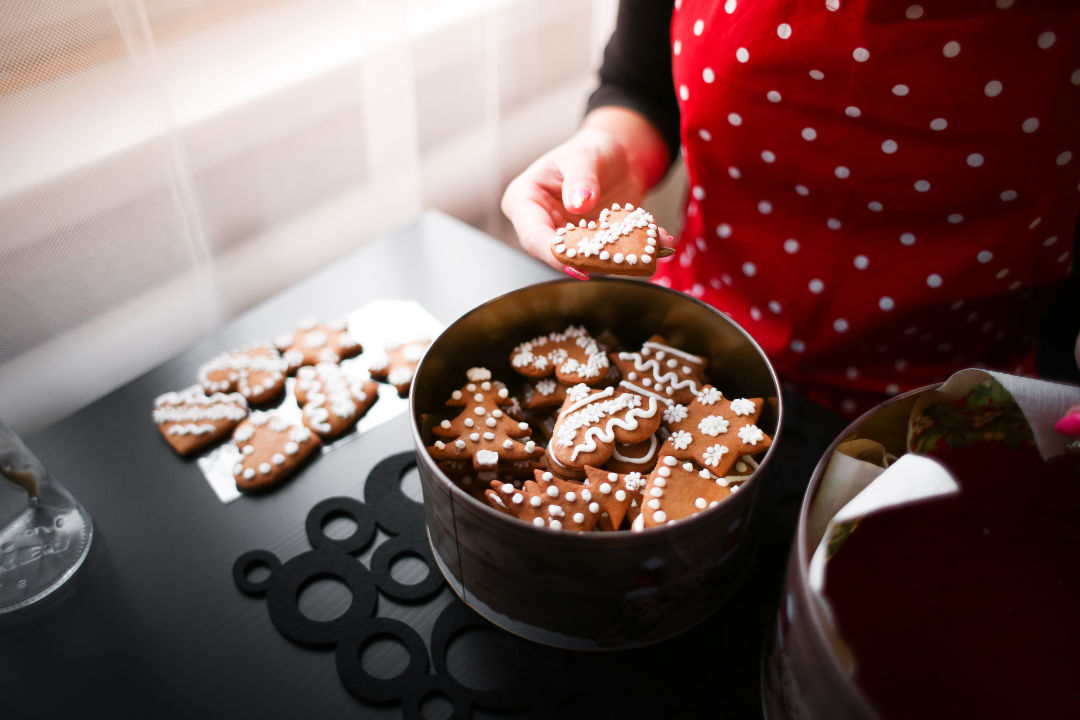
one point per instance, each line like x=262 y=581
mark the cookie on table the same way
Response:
x=191 y=420
x=257 y=372
x=716 y=432
x=678 y=489
x=331 y=400
x=271 y=449
x=572 y=356
x=623 y=240
x=398 y=364
x=548 y=501
x=616 y=493
x=314 y=342
x=483 y=430
x=591 y=421
x=662 y=371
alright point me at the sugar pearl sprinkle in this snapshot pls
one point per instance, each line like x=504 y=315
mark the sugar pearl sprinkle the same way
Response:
x=608 y=232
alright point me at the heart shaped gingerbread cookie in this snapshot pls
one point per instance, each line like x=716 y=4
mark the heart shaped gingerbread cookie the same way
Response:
x=623 y=240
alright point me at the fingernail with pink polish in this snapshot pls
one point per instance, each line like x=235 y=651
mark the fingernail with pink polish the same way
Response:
x=1069 y=425
x=580 y=196
x=575 y=273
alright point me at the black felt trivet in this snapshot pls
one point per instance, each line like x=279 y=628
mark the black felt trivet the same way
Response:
x=712 y=671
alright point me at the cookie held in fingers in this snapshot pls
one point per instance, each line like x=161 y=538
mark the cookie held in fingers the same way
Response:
x=314 y=342
x=332 y=400
x=257 y=372
x=191 y=420
x=622 y=240
x=271 y=449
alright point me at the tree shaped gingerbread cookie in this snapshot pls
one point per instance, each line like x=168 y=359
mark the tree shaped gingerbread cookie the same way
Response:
x=483 y=430
x=623 y=240
x=661 y=371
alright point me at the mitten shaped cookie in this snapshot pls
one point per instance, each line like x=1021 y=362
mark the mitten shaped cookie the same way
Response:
x=190 y=420
x=592 y=421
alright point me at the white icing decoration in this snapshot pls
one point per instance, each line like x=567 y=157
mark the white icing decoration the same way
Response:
x=710 y=396
x=644 y=459
x=681 y=439
x=675 y=413
x=742 y=406
x=713 y=454
x=751 y=434
x=713 y=425
x=487 y=458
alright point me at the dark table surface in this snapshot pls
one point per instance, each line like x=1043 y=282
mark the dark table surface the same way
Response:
x=154 y=626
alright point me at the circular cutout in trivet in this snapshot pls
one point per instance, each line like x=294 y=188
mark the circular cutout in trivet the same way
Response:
x=412 y=705
x=366 y=686
x=395 y=512
x=456 y=618
x=282 y=599
x=348 y=507
x=249 y=561
x=392 y=549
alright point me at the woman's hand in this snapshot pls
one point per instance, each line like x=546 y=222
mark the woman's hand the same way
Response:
x=615 y=157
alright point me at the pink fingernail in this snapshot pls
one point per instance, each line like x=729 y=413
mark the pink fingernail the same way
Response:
x=580 y=196
x=1069 y=425
x=575 y=273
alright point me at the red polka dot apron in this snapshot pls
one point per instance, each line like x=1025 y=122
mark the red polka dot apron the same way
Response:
x=881 y=192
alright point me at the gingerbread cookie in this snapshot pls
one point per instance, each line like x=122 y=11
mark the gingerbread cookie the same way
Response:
x=190 y=420
x=314 y=342
x=271 y=448
x=257 y=372
x=545 y=393
x=331 y=401
x=548 y=501
x=716 y=432
x=398 y=364
x=483 y=430
x=592 y=421
x=616 y=492
x=661 y=371
x=623 y=240
x=572 y=355
x=677 y=490
x=637 y=457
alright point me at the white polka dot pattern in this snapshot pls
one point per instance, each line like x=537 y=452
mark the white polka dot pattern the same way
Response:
x=851 y=194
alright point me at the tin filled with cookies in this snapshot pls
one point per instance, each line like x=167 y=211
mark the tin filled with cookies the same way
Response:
x=590 y=454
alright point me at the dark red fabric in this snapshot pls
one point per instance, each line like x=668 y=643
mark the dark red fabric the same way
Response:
x=881 y=192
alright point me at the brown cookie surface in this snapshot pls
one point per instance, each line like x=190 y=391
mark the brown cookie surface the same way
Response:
x=314 y=342
x=592 y=421
x=572 y=356
x=637 y=457
x=662 y=371
x=678 y=489
x=332 y=400
x=257 y=372
x=190 y=420
x=715 y=432
x=483 y=431
x=548 y=501
x=623 y=240
x=398 y=364
x=616 y=492
x=271 y=448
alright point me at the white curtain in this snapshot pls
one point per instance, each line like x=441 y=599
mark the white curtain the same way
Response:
x=166 y=164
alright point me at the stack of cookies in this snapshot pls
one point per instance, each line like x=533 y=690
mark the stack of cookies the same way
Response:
x=602 y=440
